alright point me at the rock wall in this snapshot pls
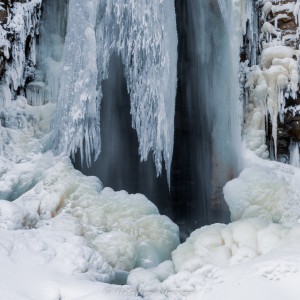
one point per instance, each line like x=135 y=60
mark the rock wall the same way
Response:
x=272 y=122
x=289 y=128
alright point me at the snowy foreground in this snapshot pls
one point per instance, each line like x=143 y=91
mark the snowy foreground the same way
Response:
x=65 y=237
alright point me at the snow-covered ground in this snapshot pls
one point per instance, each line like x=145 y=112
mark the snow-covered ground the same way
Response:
x=65 y=237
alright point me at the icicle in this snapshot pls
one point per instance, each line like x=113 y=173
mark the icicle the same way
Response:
x=144 y=34
x=35 y=93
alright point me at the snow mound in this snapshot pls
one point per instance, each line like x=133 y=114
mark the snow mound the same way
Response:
x=103 y=215
x=248 y=253
x=266 y=189
x=225 y=245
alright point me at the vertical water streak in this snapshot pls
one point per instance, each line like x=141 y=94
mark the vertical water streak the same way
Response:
x=294 y=154
x=50 y=50
x=208 y=115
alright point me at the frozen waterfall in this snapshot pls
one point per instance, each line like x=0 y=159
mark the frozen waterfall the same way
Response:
x=143 y=33
x=112 y=70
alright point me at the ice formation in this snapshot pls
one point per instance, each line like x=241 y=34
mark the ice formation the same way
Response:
x=294 y=154
x=274 y=80
x=63 y=219
x=144 y=35
x=22 y=23
x=266 y=189
x=77 y=234
x=49 y=50
x=78 y=108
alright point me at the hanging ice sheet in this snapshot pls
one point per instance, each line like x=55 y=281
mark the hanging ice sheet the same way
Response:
x=144 y=34
x=78 y=105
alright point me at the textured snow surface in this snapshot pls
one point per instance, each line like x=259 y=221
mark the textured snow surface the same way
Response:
x=143 y=33
x=248 y=259
x=266 y=189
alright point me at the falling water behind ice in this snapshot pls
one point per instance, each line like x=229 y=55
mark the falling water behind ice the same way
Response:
x=44 y=88
x=118 y=165
x=207 y=126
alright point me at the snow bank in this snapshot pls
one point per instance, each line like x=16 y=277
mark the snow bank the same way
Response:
x=60 y=192
x=52 y=264
x=265 y=188
x=105 y=215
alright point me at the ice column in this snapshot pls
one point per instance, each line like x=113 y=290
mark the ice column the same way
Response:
x=78 y=102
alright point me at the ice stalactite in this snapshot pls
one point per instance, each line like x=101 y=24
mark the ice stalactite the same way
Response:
x=144 y=35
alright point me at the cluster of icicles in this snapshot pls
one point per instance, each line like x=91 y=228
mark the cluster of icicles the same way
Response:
x=274 y=80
